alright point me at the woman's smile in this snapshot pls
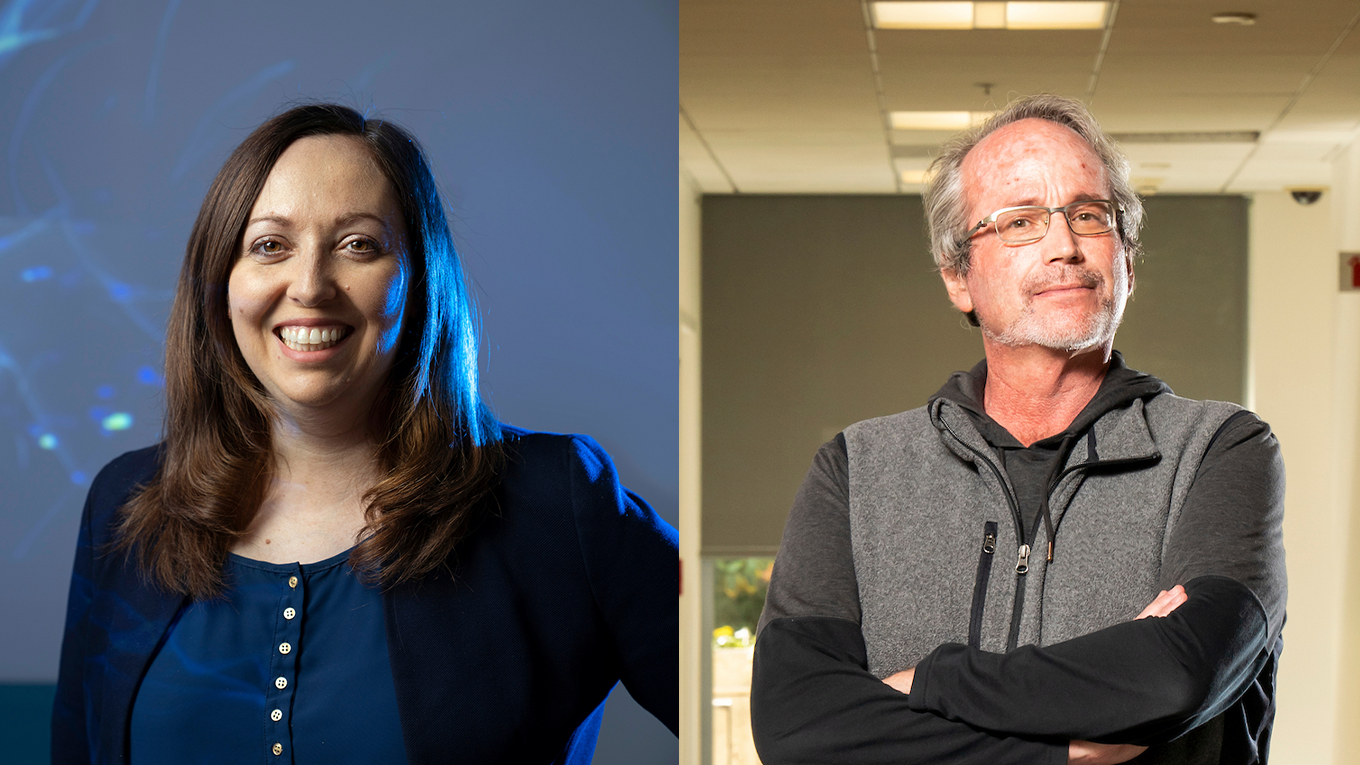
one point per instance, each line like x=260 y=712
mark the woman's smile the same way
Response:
x=313 y=339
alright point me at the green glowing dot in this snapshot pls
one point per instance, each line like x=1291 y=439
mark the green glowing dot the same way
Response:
x=47 y=441
x=118 y=421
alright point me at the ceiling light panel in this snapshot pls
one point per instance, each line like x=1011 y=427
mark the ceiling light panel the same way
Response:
x=937 y=120
x=1070 y=15
x=934 y=14
x=923 y=15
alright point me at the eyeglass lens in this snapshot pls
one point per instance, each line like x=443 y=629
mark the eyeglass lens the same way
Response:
x=1026 y=224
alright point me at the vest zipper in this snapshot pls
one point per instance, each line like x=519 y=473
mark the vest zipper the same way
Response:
x=984 y=575
x=1021 y=540
x=1025 y=540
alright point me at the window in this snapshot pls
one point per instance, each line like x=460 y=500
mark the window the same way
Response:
x=738 y=587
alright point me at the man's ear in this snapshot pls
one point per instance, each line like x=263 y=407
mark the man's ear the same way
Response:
x=956 y=285
x=1129 y=263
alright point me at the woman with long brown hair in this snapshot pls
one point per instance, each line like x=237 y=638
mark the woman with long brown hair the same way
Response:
x=337 y=553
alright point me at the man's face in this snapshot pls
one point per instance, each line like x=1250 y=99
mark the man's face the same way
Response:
x=1064 y=292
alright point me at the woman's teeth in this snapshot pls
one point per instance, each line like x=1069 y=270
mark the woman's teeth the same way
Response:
x=311 y=338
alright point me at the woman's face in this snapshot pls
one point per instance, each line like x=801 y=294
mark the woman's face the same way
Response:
x=318 y=289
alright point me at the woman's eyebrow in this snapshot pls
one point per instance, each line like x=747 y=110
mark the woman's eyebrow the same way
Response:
x=353 y=217
x=343 y=220
x=279 y=219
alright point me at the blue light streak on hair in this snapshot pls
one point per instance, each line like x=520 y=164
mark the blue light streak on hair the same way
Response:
x=36 y=274
x=450 y=314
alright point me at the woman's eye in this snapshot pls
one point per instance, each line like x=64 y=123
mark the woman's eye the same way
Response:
x=363 y=246
x=268 y=247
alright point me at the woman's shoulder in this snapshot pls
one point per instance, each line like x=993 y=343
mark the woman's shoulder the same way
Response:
x=118 y=479
x=573 y=473
x=544 y=456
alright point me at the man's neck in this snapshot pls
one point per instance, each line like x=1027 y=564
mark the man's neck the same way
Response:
x=1036 y=392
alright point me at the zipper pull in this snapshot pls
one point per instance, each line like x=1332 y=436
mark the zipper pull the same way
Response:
x=989 y=543
x=1022 y=564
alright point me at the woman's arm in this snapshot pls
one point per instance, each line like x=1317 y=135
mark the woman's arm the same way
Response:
x=631 y=557
x=69 y=742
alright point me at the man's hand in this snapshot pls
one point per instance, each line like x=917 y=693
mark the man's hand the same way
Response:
x=901 y=681
x=1165 y=602
x=1089 y=753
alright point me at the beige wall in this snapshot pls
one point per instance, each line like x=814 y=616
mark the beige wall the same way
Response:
x=1304 y=378
x=1346 y=215
x=691 y=638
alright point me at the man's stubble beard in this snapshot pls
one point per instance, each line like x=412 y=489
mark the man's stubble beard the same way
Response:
x=1095 y=329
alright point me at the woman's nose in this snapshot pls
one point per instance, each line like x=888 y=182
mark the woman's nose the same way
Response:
x=312 y=280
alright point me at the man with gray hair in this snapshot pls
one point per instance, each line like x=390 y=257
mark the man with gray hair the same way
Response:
x=1056 y=559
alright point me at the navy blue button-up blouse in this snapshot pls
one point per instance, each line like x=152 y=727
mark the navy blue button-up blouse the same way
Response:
x=290 y=666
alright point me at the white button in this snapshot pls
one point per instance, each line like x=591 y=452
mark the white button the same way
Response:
x=276 y=715
x=289 y=612
x=281 y=683
x=292 y=582
x=284 y=648
x=278 y=748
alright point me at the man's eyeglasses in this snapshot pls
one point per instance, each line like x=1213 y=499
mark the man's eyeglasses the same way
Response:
x=1022 y=225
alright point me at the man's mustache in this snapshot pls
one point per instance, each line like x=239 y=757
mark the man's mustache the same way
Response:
x=1064 y=276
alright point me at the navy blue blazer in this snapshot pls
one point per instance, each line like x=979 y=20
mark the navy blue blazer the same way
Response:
x=569 y=587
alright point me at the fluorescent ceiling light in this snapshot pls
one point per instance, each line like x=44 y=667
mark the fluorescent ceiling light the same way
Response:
x=923 y=15
x=934 y=14
x=916 y=176
x=1055 y=15
x=937 y=120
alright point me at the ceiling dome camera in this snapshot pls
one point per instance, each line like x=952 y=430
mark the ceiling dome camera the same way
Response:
x=1305 y=196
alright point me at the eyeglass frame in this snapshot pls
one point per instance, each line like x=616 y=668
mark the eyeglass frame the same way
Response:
x=992 y=219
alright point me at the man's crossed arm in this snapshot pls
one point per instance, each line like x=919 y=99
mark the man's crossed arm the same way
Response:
x=1141 y=682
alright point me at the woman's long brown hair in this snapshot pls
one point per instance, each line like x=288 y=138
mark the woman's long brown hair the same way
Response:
x=441 y=452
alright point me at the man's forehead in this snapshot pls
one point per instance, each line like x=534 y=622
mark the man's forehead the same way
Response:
x=1024 y=145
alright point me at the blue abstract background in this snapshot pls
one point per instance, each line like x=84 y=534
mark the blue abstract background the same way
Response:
x=551 y=128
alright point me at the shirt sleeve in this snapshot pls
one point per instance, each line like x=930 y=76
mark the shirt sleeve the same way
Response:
x=632 y=559
x=813 y=699
x=1151 y=680
x=69 y=740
